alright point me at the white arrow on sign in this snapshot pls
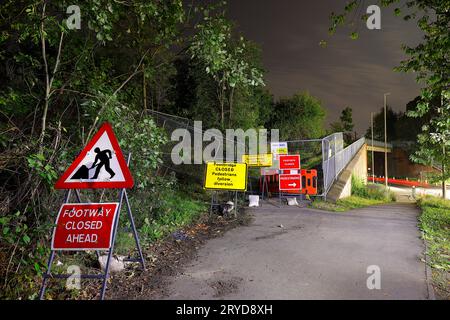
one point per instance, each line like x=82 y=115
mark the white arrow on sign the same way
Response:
x=292 y=184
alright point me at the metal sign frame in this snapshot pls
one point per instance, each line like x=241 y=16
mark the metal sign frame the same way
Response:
x=122 y=196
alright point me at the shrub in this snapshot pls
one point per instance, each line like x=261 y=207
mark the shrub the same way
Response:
x=373 y=191
x=435 y=224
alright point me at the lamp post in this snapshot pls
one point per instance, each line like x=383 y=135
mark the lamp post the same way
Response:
x=385 y=144
x=373 y=159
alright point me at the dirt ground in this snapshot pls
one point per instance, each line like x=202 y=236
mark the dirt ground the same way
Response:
x=164 y=259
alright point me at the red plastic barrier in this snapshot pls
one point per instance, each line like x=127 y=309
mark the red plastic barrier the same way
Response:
x=400 y=182
x=309 y=183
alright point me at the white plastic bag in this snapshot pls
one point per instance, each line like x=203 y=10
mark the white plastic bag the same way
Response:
x=254 y=201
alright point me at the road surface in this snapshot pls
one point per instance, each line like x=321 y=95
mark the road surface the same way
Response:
x=314 y=255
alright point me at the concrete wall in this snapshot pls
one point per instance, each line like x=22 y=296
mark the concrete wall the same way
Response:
x=342 y=187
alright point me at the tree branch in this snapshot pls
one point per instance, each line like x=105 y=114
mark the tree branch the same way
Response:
x=135 y=72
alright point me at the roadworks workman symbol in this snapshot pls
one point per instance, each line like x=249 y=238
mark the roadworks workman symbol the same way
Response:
x=226 y=176
x=99 y=165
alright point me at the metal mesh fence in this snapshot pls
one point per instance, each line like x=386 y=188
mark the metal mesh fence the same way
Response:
x=336 y=157
x=327 y=155
x=198 y=138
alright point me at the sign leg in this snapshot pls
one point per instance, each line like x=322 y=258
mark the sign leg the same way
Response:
x=47 y=275
x=77 y=193
x=263 y=186
x=52 y=256
x=108 y=261
x=236 y=204
x=135 y=234
x=213 y=198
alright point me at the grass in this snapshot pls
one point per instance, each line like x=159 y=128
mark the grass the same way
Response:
x=435 y=225
x=363 y=195
x=178 y=210
x=345 y=204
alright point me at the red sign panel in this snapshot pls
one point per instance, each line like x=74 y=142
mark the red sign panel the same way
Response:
x=291 y=162
x=290 y=182
x=84 y=226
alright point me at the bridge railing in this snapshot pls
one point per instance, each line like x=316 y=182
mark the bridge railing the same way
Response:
x=336 y=158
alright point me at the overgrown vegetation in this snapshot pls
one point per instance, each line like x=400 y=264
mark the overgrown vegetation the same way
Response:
x=370 y=191
x=435 y=224
x=58 y=85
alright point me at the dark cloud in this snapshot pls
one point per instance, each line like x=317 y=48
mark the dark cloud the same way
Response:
x=344 y=73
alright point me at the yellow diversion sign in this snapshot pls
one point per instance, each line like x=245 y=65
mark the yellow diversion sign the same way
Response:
x=257 y=160
x=226 y=176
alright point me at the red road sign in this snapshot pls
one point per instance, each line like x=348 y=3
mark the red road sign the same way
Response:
x=291 y=162
x=99 y=165
x=84 y=226
x=290 y=182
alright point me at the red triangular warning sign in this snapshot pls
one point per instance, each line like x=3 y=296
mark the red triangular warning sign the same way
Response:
x=99 y=165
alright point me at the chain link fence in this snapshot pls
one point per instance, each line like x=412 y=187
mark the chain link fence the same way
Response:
x=327 y=155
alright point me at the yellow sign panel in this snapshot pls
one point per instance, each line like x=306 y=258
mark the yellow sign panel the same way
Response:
x=258 y=160
x=226 y=176
x=282 y=151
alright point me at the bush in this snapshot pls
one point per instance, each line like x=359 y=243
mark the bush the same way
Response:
x=373 y=191
x=435 y=224
x=177 y=210
x=363 y=195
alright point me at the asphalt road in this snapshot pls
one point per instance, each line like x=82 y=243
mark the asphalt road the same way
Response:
x=315 y=255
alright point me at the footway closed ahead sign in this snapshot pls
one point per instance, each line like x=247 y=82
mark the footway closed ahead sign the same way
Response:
x=84 y=226
x=226 y=176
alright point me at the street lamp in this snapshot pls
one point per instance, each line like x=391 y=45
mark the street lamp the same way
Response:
x=385 y=144
x=373 y=159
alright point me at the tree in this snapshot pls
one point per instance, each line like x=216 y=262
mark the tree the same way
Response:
x=408 y=128
x=345 y=125
x=346 y=119
x=378 y=125
x=430 y=61
x=56 y=86
x=298 y=117
x=196 y=93
x=224 y=59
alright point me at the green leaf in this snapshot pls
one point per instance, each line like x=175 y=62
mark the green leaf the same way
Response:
x=26 y=239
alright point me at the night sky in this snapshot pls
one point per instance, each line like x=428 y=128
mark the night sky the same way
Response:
x=346 y=72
